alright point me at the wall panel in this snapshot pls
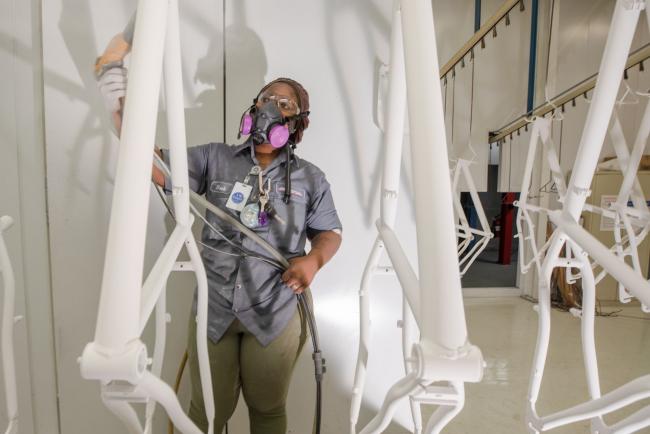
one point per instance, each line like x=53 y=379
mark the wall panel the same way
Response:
x=22 y=175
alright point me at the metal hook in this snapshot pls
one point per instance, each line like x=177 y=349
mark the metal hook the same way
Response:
x=628 y=92
x=556 y=113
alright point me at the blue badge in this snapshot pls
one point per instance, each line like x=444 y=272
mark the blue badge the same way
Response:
x=237 y=197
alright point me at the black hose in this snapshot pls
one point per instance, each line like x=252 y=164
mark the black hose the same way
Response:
x=319 y=361
x=319 y=405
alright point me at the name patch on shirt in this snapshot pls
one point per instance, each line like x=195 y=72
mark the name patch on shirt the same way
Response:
x=295 y=192
x=220 y=187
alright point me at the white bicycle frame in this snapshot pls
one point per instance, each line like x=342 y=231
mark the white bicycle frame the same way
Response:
x=8 y=320
x=580 y=245
x=441 y=360
x=464 y=231
x=541 y=131
x=635 y=220
x=117 y=357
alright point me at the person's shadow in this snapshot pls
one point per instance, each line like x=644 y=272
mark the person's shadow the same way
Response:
x=245 y=68
x=215 y=112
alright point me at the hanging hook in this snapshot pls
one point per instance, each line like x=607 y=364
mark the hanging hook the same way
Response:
x=628 y=93
x=530 y=119
x=556 y=113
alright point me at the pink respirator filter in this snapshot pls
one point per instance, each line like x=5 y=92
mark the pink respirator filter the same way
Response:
x=279 y=136
x=246 y=124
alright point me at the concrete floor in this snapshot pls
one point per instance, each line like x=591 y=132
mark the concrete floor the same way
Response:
x=505 y=330
x=487 y=272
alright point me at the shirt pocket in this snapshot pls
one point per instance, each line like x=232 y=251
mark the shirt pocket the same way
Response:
x=288 y=237
x=217 y=194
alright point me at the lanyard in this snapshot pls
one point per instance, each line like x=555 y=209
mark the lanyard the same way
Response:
x=255 y=171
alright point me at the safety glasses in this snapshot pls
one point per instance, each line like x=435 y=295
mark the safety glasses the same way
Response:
x=284 y=103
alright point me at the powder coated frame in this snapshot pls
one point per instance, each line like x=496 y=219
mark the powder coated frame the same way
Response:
x=117 y=358
x=578 y=245
x=441 y=359
x=474 y=239
x=634 y=220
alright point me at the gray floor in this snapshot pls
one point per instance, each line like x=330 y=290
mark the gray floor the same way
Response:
x=487 y=272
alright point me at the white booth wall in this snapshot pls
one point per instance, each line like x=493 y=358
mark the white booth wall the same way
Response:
x=23 y=197
x=57 y=130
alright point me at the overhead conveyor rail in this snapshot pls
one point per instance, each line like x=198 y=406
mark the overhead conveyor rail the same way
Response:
x=490 y=25
x=565 y=97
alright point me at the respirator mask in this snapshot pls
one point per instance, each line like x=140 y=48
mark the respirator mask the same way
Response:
x=273 y=119
x=266 y=123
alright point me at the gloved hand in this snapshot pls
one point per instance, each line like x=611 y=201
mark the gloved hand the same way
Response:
x=112 y=85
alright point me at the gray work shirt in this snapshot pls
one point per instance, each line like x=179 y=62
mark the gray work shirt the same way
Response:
x=243 y=287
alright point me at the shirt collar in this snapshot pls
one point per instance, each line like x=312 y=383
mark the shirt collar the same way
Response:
x=239 y=148
x=248 y=144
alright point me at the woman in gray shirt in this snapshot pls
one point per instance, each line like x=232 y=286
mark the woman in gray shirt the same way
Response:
x=255 y=329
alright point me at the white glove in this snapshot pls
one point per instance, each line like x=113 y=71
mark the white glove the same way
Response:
x=112 y=85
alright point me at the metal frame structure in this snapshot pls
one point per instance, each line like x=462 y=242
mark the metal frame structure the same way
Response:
x=117 y=357
x=441 y=359
x=472 y=240
x=634 y=220
x=8 y=320
x=571 y=246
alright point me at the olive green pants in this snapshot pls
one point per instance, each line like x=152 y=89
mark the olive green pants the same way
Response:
x=239 y=361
